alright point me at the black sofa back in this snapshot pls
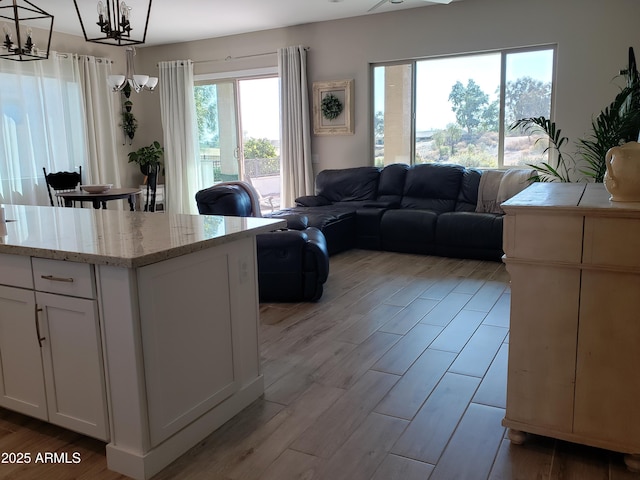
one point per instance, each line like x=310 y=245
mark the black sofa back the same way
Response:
x=339 y=185
x=432 y=187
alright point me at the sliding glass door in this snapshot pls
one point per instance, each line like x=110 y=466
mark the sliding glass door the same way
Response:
x=238 y=125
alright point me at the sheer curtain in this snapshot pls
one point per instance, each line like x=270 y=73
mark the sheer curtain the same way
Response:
x=295 y=148
x=57 y=114
x=99 y=111
x=178 y=114
x=41 y=125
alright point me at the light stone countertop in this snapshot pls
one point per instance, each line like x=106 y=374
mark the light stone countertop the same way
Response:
x=119 y=238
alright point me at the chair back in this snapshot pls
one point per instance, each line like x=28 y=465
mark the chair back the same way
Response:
x=235 y=198
x=61 y=182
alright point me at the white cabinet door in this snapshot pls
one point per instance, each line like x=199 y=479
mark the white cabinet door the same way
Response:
x=21 y=379
x=72 y=359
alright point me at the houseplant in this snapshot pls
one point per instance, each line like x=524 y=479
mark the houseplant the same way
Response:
x=617 y=124
x=148 y=158
x=129 y=125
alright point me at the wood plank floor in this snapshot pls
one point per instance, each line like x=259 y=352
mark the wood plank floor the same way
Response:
x=398 y=372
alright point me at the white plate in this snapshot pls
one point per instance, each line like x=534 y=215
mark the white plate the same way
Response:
x=97 y=188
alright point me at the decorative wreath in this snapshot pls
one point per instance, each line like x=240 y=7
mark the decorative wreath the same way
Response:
x=331 y=106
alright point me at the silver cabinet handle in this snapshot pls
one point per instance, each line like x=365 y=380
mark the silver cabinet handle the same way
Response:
x=57 y=279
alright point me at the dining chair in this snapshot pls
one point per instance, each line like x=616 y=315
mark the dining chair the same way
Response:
x=61 y=182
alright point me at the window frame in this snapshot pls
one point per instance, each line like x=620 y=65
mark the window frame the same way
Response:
x=413 y=62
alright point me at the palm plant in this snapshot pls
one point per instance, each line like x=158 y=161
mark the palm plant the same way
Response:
x=616 y=124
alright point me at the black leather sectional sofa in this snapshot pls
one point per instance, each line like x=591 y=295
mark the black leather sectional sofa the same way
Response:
x=428 y=209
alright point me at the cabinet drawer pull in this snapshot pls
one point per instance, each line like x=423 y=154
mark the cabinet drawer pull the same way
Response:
x=57 y=279
x=40 y=337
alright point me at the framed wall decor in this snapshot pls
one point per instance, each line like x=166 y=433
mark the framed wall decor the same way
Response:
x=333 y=108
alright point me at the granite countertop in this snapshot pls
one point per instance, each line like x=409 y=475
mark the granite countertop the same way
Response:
x=119 y=238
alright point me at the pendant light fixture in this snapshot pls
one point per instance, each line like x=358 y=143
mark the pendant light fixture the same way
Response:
x=114 y=22
x=136 y=82
x=19 y=18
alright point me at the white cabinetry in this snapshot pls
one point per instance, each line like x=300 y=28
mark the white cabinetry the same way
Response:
x=138 y=329
x=21 y=376
x=50 y=349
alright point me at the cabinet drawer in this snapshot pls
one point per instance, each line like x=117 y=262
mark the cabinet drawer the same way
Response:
x=15 y=271
x=612 y=242
x=66 y=278
x=548 y=238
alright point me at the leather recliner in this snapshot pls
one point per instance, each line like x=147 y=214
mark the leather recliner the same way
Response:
x=293 y=264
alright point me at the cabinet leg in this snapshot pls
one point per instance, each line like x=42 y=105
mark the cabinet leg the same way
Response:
x=632 y=461
x=517 y=437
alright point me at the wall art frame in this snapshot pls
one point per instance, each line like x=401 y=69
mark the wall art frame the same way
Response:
x=342 y=123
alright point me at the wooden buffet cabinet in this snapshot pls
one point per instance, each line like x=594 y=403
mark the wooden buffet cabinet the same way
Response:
x=574 y=345
x=137 y=329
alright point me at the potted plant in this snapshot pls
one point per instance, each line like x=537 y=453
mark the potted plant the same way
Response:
x=148 y=159
x=129 y=125
x=617 y=124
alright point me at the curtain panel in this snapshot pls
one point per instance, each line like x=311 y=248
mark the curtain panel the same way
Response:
x=54 y=114
x=295 y=149
x=41 y=125
x=100 y=114
x=178 y=115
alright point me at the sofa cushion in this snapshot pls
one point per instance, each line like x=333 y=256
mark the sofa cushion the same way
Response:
x=349 y=184
x=391 y=184
x=469 y=231
x=312 y=201
x=409 y=230
x=468 y=196
x=432 y=187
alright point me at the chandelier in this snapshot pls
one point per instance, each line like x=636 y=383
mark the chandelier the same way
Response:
x=115 y=22
x=136 y=82
x=23 y=17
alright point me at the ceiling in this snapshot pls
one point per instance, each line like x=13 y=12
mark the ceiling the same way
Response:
x=174 y=21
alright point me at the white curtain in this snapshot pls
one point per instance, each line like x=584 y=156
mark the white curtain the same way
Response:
x=41 y=125
x=178 y=114
x=57 y=114
x=295 y=149
x=102 y=150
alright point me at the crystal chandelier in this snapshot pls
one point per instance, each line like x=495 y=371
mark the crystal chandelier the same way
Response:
x=115 y=22
x=136 y=82
x=23 y=16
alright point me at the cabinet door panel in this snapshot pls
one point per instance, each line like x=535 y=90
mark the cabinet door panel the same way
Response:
x=21 y=378
x=72 y=357
x=607 y=387
x=187 y=336
x=542 y=345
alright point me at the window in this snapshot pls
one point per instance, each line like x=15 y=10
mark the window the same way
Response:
x=246 y=109
x=41 y=125
x=460 y=109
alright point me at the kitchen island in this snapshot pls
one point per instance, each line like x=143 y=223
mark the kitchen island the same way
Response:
x=134 y=328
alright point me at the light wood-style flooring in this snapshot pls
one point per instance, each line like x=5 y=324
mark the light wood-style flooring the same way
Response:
x=398 y=372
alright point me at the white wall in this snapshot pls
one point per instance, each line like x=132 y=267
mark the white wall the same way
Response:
x=592 y=36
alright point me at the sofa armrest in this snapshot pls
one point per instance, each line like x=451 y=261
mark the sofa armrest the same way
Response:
x=295 y=221
x=317 y=253
x=312 y=201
